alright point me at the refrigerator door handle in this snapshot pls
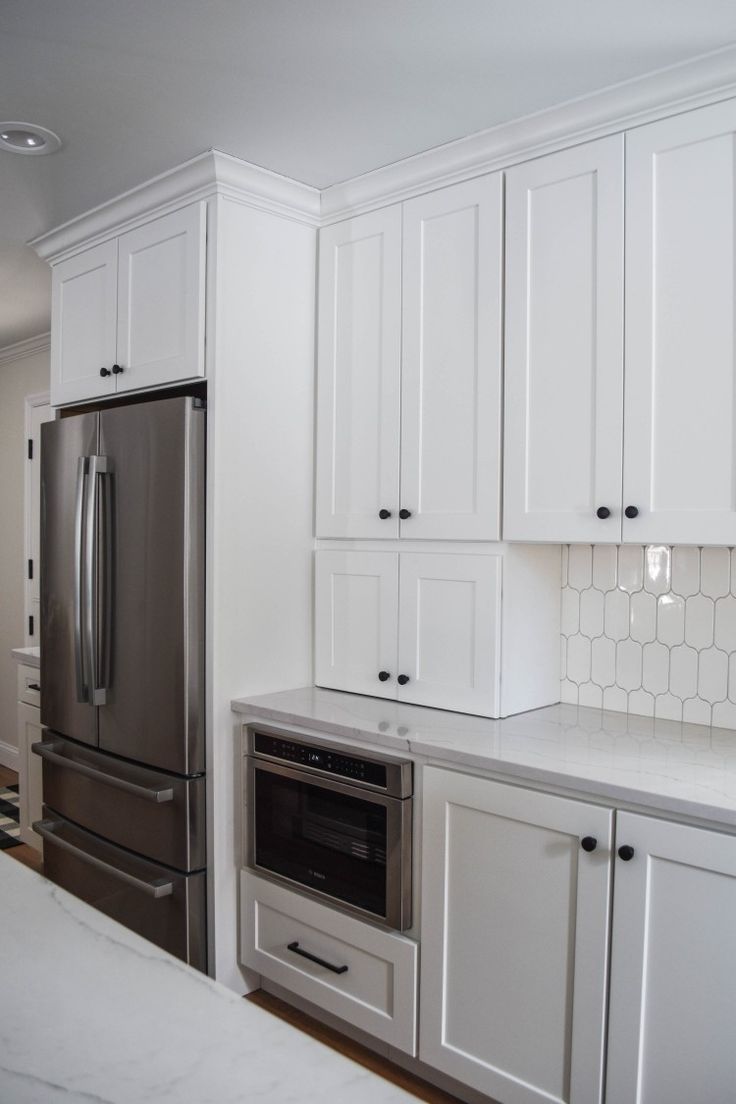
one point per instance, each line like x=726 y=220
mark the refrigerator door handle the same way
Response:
x=98 y=466
x=158 y=888
x=79 y=666
x=49 y=751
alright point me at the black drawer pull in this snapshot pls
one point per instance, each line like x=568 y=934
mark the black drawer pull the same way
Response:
x=589 y=843
x=313 y=958
x=33 y=686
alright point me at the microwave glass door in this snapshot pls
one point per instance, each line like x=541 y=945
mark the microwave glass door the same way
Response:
x=330 y=841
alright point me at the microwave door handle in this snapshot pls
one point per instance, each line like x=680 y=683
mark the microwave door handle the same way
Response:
x=97 y=467
x=79 y=564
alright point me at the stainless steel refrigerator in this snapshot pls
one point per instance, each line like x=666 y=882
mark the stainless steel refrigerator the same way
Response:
x=122 y=666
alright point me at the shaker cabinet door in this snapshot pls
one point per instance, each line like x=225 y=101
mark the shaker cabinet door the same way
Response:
x=514 y=940
x=83 y=324
x=564 y=346
x=449 y=631
x=673 y=965
x=679 y=469
x=356 y=621
x=358 y=376
x=161 y=300
x=451 y=364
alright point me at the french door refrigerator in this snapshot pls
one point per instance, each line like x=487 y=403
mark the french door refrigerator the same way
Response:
x=122 y=666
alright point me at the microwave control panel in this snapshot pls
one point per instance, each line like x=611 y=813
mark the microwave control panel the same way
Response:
x=325 y=760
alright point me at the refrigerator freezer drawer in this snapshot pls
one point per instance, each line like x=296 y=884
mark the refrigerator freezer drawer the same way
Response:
x=163 y=906
x=157 y=815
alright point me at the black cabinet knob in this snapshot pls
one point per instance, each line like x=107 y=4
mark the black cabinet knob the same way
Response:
x=603 y=512
x=631 y=511
x=404 y=514
x=117 y=370
x=589 y=843
x=383 y=514
x=626 y=852
x=383 y=676
x=105 y=372
x=402 y=680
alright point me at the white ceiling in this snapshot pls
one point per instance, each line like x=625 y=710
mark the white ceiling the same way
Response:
x=320 y=90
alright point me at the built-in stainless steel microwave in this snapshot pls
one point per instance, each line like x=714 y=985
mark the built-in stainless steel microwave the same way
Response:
x=335 y=822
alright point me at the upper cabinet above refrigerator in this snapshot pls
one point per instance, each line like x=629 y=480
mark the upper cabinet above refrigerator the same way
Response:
x=409 y=368
x=129 y=313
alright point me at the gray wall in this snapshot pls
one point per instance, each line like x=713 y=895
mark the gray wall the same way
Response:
x=19 y=377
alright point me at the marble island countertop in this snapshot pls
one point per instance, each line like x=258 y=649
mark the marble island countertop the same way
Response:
x=95 y=1013
x=674 y=768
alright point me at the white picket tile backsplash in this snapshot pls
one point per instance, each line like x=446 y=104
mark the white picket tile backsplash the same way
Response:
x=650 y=630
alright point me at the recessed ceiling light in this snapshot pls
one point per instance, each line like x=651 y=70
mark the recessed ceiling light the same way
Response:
x=28 y=138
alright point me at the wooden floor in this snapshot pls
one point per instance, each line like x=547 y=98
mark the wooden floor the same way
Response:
x=29 y=856
x=360 y=1054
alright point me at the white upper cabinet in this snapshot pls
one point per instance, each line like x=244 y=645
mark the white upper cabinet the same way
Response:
x=161 y=300
x=680 y=444
x=129 y=313
x=83 y=319
x=409 y=369
x=449 y=609
x=359 y=376
x=356 y=614
x=451 y=363
x=564 y=345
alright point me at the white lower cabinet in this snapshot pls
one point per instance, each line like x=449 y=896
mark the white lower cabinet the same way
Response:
x=475 y=633
x=364 y=975
x=30 y=774
x=673 y=979
x=515 y=917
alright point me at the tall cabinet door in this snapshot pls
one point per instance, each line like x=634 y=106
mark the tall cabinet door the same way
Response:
x=83 y=324
x=358 y=376
x=680 y=458
x=449 y=631
x=451 y=371
x=564 y=345
x=356 y=615
x=514 y=940
x=161 y=292
x=673 y=966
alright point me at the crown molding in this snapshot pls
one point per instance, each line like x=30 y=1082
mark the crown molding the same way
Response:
x=208 y=174
x=694 y=83
x=29 y=347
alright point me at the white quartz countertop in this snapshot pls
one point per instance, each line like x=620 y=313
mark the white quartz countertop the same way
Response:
x=30 y=656
x=93 y=1012
x=663 y=766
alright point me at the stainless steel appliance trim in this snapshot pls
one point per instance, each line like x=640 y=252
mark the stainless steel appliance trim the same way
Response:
x=399 y=772
x=49 y=751
x=157 y=889
x=97 y=465
x=398 y=828
x=82 y=695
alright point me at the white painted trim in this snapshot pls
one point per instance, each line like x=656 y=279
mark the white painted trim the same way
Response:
x=690 y=84
x=207 y=174
x=31 y=401
x=9 y=756
x=29 y=347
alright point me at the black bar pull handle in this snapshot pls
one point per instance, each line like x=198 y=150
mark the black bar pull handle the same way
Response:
x=296 y=949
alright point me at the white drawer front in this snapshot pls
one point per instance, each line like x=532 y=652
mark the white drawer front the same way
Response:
x=377 y=992
x=29 y=685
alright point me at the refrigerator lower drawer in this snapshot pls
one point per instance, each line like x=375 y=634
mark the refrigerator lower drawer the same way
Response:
x=154 y=814
x=162 y=905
